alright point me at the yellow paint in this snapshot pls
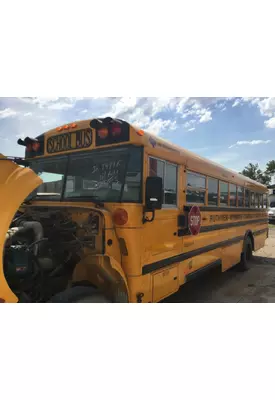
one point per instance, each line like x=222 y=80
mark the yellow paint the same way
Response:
x=16 y=183
x=165 y=283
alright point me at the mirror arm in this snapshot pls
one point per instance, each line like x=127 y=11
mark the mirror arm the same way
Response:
x=145 y=219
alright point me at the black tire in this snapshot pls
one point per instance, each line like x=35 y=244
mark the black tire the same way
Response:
x=79 y=294
x=247 y=255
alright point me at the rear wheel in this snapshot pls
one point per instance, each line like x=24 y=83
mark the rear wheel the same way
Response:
x=80 y=294
x=246 y=256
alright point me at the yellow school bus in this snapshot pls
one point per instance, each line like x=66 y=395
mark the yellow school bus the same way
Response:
x=101 y=211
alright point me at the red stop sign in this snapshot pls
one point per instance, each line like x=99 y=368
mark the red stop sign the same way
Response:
x=194 y=220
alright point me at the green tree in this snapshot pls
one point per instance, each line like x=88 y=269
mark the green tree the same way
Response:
x=253 y=171
x=270 y=168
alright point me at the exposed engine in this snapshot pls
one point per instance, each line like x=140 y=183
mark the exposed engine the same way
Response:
x=41 y=252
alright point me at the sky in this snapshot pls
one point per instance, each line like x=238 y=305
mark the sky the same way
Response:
x=232 y=131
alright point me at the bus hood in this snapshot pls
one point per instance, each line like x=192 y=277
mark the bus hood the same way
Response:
x=16 y=183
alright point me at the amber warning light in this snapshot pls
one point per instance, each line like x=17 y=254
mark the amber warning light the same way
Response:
x=120 y=216
x=34 y=147
x=109 y=131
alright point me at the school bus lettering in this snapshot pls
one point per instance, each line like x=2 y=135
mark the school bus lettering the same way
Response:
x=81 y=235
x=69 y=141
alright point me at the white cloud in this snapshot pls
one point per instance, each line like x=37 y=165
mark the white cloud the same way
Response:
x=141 y=111
x=52 y=103
x=160 y=104
x=137 y=117
x=266 y=107
x=270 y=123
x=220 y=104
x=60 y=106
x=191 y=129
x=83 y=111
x=206 y=116
x=236 y=103
x=158 y=125
x=7 y=113
x=124 y=105
x=189 y=123
x=181 y=105
x=39 y=101
x=249 y=142
x=27 y=114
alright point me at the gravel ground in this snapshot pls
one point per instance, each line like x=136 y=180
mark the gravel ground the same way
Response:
x=257 y=285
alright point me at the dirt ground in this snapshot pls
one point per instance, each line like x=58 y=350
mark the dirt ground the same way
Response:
x=257 y=285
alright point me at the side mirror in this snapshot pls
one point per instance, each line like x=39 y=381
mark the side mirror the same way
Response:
x=154 y=193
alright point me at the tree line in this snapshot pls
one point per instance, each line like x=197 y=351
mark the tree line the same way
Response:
x=254 y=172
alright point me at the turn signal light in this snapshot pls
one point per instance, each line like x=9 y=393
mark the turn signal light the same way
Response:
x=66 y=127
x=120 y=216
x=73 y=125
x=140 y=132
x=103 y=133
x=59 y=129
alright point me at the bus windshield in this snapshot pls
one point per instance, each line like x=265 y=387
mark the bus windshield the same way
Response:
x=112 y=175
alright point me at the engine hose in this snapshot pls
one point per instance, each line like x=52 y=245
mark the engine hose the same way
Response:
x=37 y=229
x=36 y=242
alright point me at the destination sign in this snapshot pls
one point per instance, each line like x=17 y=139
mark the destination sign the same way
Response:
x=80 y=139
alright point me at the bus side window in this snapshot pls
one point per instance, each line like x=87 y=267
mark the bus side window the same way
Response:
x=213 y=191
x=156 y=167
x=256 y=200
x=196 y=188
x=246 y=198
x=240 y=191
x=261 y=200
x=223 y=194
x=233 y=195
x=252 y=200
x=168 y=173
x=265 y=200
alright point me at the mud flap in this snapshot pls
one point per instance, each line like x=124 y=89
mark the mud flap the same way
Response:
x=16 y=183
